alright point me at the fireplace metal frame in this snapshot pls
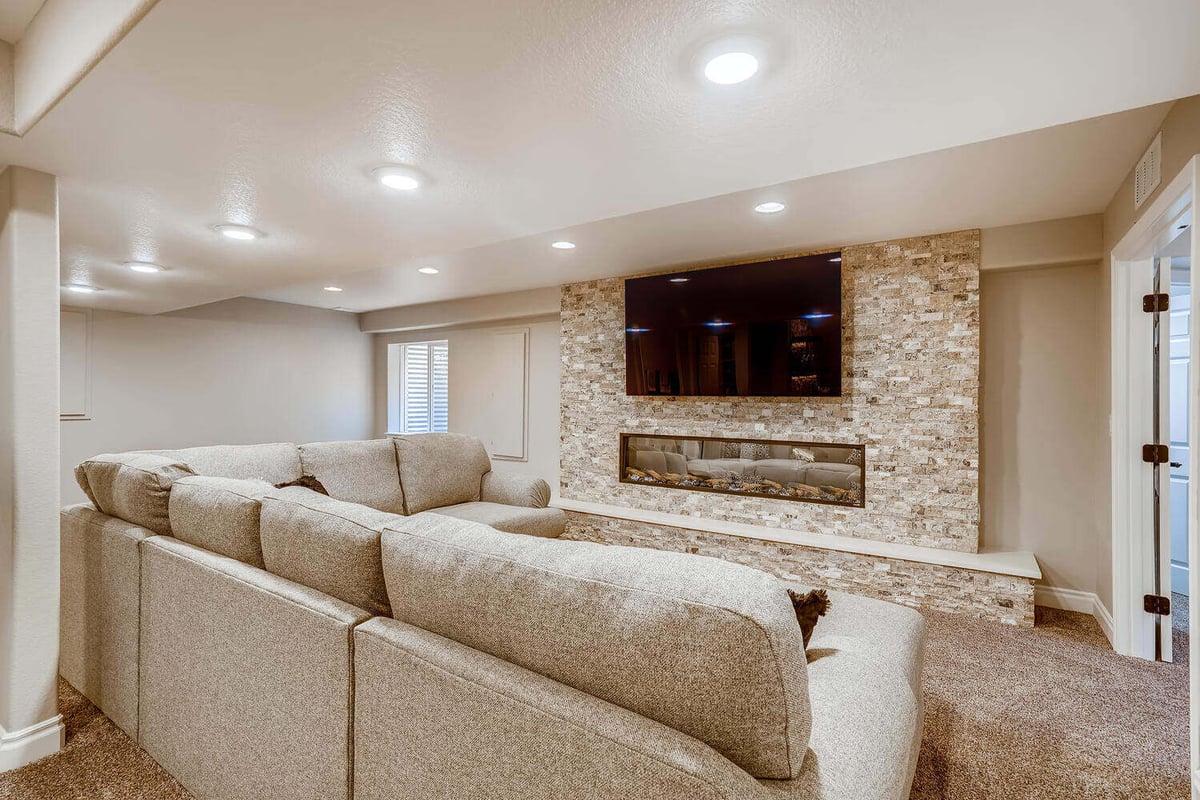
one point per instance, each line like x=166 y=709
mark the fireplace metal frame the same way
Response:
x=624 y=463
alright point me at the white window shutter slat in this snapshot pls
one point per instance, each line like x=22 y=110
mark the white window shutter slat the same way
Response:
x=425 y=387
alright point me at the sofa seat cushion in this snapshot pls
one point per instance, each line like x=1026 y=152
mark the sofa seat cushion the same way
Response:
x=219 y=514
x=273 y=463
x=135 y=487
x=864 y=680
x=440 y=469
x=781 y=470
x=704 y=646
x=890 y=636
x=357 y=472
x=546 y=522
x=718 y=467
x=843 y=476
x=326 y=544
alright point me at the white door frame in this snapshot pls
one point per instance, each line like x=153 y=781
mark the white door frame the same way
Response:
x=1132 y=522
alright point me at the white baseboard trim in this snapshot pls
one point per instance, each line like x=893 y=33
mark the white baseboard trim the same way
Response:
x=1075 y=600
x=29 y=744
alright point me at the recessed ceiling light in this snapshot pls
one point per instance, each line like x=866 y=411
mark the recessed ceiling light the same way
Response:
x=402 y=179
x=427 y=270
x=730 y=68
x=241 y=233
x=564 y=245
x=679 y=280
x=770 y=207
x=81 y=288
x=143 y=266
x=333 y=288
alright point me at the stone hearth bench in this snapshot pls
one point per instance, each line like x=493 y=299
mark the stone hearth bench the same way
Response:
x=988 y=584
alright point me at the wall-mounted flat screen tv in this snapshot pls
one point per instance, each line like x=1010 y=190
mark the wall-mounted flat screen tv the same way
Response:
x=766 y=329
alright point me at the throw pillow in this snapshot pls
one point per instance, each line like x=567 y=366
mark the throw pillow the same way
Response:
x=808 y=607
x=754 y=451
x=305 y=482
x=731 y=450
x=803 y=454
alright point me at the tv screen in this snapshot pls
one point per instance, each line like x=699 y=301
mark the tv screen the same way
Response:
x=766 y=329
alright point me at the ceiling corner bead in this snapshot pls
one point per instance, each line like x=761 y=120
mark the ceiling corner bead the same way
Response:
x=7 y=93
x=60 y=47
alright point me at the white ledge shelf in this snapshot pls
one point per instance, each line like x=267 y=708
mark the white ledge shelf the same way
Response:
x=1018 y=563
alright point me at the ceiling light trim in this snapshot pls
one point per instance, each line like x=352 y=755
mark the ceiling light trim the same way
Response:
x=238 y=233
x=399 y=178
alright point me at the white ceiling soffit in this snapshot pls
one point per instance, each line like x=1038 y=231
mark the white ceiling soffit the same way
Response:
x=532 y=117
x=15 y=16
x=1034 y=176
x=56 y=44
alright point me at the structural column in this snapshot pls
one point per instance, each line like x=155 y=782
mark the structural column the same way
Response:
x=30 y=725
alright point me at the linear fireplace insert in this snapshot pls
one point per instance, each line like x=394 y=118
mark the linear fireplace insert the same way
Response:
x=809 y=472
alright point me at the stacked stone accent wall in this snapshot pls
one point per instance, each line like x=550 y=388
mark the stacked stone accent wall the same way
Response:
x=910 y=312
x=1003 y=598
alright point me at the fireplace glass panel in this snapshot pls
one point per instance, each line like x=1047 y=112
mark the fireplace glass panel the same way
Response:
x=781 y=470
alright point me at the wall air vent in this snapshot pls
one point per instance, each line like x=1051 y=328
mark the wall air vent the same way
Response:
x=1148 y=174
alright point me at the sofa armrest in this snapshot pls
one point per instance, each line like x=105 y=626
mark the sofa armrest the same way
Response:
x=514 y=490
x=99 y=616
x=492 y=729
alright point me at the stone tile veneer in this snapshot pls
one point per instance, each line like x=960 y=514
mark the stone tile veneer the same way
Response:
x=910 y=311
x=1003 y=598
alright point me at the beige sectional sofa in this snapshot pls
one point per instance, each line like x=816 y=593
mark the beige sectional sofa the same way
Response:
x=384 y=642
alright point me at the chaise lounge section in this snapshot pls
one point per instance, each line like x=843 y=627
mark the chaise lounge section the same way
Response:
x=261 y=641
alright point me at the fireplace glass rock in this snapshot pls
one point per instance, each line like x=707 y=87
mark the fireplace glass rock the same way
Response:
x=804 y=471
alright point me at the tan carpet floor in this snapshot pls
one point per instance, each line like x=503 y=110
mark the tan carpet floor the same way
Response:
x=1011 y=713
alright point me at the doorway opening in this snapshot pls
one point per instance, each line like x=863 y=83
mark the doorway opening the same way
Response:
x=1155 y=506
x=1177 y=262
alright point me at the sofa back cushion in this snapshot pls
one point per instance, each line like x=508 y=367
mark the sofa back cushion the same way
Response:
x=326 y=544
x=135 y=487
x=440 y=469
x=219 y=514
x=273 y=463
x=704 y=646
x=357 y=472
x=832 y=455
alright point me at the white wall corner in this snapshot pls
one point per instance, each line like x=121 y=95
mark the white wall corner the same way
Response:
x=1078 y=601
x=29 y=744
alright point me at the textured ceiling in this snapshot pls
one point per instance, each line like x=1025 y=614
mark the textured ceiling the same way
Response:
x=534 y=117
x=1022 y=178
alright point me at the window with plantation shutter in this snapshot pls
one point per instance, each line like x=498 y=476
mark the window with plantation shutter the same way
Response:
x=424 y=387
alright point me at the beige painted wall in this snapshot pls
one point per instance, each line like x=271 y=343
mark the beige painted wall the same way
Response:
x=1055 y=242
x=235 y=372
x=1045 y=419
x=468 y=345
